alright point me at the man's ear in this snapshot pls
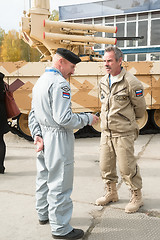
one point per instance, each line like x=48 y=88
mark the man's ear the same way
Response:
x=120 y=60
x=61 y=60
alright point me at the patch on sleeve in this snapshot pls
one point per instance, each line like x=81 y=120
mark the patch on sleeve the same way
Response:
x=66 y=95
x=139 y=93
x=65 y=88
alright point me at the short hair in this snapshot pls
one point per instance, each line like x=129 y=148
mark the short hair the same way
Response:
x=118 y=53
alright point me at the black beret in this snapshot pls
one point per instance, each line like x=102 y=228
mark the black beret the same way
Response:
x=70 y=56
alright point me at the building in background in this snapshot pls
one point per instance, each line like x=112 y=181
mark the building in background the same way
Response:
x=134 y=18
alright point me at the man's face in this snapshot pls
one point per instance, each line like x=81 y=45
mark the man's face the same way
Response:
x=67 y=68
x=112 y=66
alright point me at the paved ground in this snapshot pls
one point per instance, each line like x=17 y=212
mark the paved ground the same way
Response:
x=18 y=218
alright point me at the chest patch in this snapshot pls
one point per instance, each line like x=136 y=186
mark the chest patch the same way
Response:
x=121 y=97
x=139 y=93
x=66 y=95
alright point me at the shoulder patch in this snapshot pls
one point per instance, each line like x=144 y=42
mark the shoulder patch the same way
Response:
x=65 y=88
x=139 y=93
x=66 y=95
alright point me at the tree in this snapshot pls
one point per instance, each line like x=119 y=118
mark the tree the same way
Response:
x=10 y=49
x=29 y=54
x=2 y=32
x=14 y=49
x=54 y=15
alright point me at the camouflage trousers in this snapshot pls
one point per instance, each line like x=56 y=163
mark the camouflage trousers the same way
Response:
x=119 y=151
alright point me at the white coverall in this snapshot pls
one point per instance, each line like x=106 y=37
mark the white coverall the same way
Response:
x=51 y=117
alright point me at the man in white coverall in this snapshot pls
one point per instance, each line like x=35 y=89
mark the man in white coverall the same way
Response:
x=123 y=102
x=51 y=122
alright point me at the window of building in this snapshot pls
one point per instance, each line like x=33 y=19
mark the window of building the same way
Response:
x=142 y=31
x=108 y=35
x=155 y=15
x=88 y=21
x=131 y=57
x=141 y=57
x=142 y=16
x=131 y=17
x=98 y=45
x=120 y=33
x=155 y=32
x=120 y=18
x=155 y=56
x=78 y=21
x=109 y=19
x=131 y=32
x=97 y=20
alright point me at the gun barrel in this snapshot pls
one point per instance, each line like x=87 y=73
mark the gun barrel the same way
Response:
x=57 y=36
x=130 y=38
x=97 y=28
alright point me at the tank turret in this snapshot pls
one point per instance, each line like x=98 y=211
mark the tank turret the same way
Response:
x=46 y=35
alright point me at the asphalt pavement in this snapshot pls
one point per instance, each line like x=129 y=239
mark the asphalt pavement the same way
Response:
x=18 y=217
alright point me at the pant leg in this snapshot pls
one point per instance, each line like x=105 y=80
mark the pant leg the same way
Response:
x=107 y=159
x=2 y=152
x=59 y=149
x=128 y=166
x=41 y=187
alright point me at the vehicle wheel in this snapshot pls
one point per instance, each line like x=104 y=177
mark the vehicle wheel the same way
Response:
x=22 y=123
x=142 y=122
x=155 y=118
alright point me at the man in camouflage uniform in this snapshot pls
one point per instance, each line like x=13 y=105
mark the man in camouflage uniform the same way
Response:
x=123 y=102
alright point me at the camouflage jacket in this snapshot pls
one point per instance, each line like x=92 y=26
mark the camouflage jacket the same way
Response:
x=122 y=104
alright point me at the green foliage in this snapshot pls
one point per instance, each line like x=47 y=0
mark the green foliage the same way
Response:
x=10 y=49
x=29 y=54
x=2 y=32
x=14 y=49
x=54 y=15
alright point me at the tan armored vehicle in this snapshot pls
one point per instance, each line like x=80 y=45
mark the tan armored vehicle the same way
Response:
x=45 y=35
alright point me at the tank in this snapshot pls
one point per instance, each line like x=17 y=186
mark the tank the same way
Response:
x=84 y=87
x=45 y=35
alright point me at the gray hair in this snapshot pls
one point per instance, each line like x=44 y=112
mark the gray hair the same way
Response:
x=118 y=53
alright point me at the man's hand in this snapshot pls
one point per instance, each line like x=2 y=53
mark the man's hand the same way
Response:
x=95 y=119
x=39 y=142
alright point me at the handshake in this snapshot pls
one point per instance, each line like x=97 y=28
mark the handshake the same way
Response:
x=95 y=118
